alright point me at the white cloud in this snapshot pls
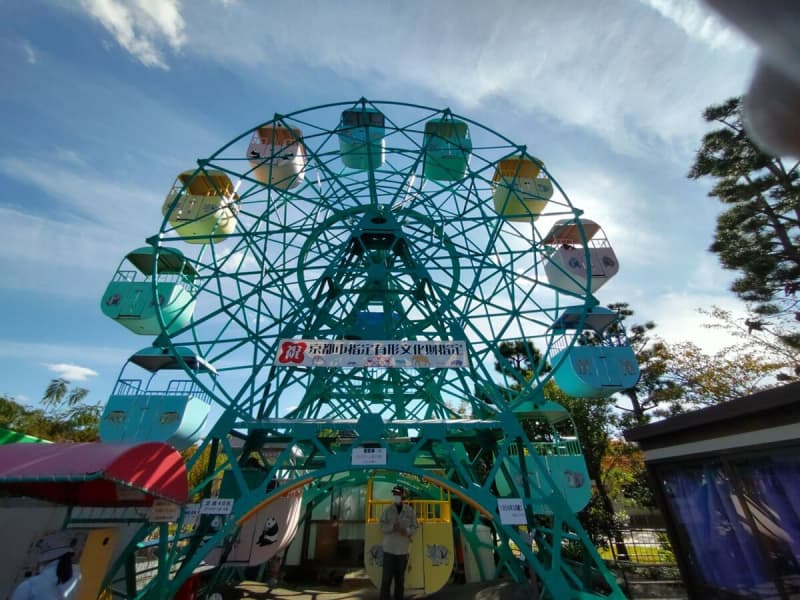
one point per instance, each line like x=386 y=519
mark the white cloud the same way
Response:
x=678 y=319
x=30 y=53
x=67 y=156
x=635 y=75
x=616 y=69
x=87 y=193
x=141 y=26
x=64 y=259
x=49 y=353
x=32 y=362
x=698 y=22
x=73 y=242
x=71 y=372
x=614 y=201
x=708 y=275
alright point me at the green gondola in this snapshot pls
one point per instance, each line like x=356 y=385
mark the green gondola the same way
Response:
x=361 y=138
x=129 y=300
x=447 y=149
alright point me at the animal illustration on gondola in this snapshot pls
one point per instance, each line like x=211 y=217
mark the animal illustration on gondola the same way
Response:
x=270 y=532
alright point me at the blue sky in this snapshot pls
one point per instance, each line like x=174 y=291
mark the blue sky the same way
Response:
x=105 y=101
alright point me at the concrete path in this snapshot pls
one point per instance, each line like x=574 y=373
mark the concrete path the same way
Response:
x=470 y=591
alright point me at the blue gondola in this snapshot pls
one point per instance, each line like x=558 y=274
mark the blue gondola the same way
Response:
x=128 y=299
x=156 y=407
x=605 y=366
x=373 y=325
x=361 y=138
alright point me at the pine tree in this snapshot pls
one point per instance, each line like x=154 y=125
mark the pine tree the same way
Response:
x=757 y=234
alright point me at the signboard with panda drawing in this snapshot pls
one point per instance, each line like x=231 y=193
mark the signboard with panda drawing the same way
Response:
x=263 y=535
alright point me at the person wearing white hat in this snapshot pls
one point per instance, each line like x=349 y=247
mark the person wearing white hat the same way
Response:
x=398 y=523
x=58 y=580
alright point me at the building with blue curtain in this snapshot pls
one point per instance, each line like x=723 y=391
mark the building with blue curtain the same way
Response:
x=727 y=479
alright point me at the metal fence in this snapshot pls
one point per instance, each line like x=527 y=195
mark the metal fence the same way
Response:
x=650 y=546
x=645 y=565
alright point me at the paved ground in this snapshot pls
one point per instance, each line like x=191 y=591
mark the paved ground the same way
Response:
x=469 y=591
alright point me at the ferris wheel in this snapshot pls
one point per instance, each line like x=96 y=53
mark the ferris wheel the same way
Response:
x=339 y=279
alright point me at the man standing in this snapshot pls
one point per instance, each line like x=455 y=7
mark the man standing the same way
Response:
x=398 y=523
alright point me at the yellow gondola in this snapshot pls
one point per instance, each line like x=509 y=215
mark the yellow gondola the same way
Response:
x=201 y=206
x=520 y=189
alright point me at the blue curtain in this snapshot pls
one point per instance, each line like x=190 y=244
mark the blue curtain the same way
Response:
x=772 y=490
x=722 y=545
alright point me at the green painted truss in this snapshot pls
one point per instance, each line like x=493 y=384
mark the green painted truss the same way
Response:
x=380 y=252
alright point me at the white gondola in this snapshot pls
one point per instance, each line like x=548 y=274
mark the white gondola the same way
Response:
x=271 y=526
x=566 y=262
x=278 y=156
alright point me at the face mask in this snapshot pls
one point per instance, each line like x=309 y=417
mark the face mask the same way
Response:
x=397 y=499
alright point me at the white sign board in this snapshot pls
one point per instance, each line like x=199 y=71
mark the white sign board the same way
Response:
x=380 y=354
x=369 y=456
x=191 y=513
x=216 y=506
x=512 y=511
x=164 y=511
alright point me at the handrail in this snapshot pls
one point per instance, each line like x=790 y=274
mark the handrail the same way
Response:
x=175 y=387
x=560 y=448
x=428 y=511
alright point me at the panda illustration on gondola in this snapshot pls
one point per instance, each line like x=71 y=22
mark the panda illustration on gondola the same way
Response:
x=270 y=532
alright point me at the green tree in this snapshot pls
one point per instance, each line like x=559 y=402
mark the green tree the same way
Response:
x=625 y=475
x=64 y=415
x=58 y=391
x=766 y=340
x=708 y=379
x=520 y=359
x=757 y=233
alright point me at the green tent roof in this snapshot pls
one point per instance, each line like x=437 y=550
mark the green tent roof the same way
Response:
x=14 y=437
